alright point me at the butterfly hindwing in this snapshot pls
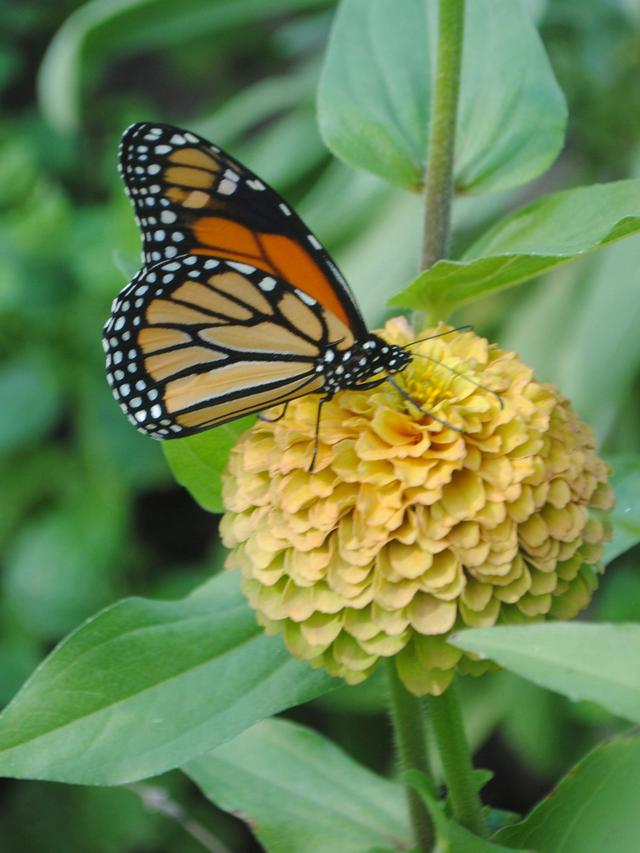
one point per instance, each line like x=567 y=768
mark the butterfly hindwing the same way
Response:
x=192 y=198
x=196 y=341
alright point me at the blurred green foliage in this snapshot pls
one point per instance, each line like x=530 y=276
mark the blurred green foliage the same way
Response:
x=88 y=508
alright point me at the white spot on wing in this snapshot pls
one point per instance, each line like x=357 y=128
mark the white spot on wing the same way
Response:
x=245 y=268
x=226 y=187
x=305 y=297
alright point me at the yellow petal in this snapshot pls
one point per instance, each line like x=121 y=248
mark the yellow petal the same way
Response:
x=429 y=615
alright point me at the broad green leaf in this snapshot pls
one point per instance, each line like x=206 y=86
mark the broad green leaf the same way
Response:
x=593 y=809
x=384 y=255
x=198 y=460
x=600 y=663
x=146 y=685
x=538 y=237
x=452 y=837
x=625 y=516
x=374 y=99
x=602 y=345
x=106 y=29
x=299 y=793
x=577 y=307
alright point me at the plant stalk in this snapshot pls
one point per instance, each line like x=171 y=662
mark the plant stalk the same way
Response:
x=445 y=716
x=442 y=132
x=406 y=714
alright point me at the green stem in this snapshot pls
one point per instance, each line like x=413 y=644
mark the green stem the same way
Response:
x=442 y=132
x=445 y=716
x=405 y=711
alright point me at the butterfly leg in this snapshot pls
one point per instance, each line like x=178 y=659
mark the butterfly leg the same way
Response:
x=366 y=386
x=277 y=417
x=316 y=439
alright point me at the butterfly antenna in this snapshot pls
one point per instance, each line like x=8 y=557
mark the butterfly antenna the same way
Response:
x=466 y=328
x=461 y=375
x=410 y=399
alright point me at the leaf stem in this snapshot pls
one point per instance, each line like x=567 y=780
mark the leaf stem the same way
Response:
x=406 y=715
x=442 y=132
x=445 y=716
x=157 y=800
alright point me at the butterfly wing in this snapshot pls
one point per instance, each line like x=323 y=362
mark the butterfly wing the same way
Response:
x=192 y=198
x=197 y=341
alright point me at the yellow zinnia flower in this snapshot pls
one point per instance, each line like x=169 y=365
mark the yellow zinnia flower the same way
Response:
x=407 y=529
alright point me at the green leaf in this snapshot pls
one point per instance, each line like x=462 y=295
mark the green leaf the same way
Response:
x=590 y=370
x=106 y=29
x=625 y=515
x=198 y=461
x=538 y=237
x=600 y=663
x=299 y=792
x=374 y=99
x=145 y=686
x=594 y=808
x=452 y=837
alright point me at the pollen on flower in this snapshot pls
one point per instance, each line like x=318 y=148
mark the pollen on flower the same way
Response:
x=410 y=527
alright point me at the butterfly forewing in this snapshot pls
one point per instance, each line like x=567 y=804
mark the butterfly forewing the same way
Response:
x=192 y=198
x=197 y=341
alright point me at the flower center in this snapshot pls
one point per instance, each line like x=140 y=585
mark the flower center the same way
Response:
x=431 y=382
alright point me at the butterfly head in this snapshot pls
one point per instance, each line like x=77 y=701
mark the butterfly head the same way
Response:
x=362 y=363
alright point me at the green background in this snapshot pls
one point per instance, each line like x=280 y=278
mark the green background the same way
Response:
x=89 y=511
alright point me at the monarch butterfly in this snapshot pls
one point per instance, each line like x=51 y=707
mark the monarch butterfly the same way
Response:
x=238 y=307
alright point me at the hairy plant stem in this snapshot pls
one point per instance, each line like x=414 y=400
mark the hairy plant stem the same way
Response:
x=442 y=132
x=444 y=711
x=445 y=716
x=406 y=714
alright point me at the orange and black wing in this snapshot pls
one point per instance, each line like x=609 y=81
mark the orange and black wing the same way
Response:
x=191 y=198
x=196 y=341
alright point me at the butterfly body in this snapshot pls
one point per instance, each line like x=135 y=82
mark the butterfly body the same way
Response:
x=237 y=308
x=352 y=368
